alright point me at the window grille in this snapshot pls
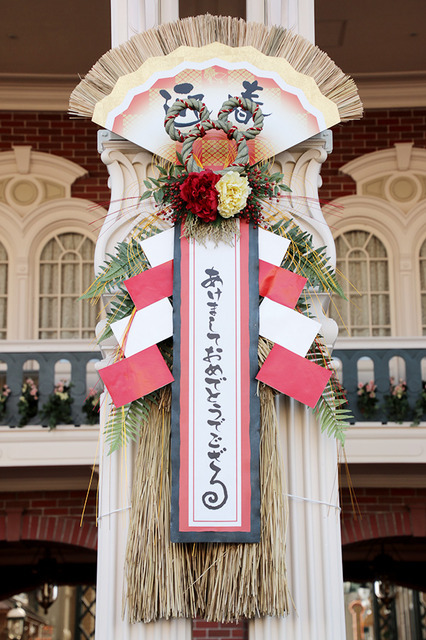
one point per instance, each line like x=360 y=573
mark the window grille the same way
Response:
x=3 y=292
x=66 y=270
x=423 y=285
x=363 y=272
x=85 y=612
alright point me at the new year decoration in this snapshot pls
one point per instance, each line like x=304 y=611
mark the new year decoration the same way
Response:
x=210 y=308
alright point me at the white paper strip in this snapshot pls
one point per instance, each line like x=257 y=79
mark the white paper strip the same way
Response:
x=272 y=248
x=288 y=328
x=159 y=248
x=150 y=325
x=214 y=345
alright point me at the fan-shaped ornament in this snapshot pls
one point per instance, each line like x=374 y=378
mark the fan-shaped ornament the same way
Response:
x=215 y=98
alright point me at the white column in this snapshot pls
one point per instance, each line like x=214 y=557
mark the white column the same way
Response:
x=314 y=558
x=67 y=621
x=297 y=15
x=310 y=461
x=115 y=480
x=129 y=17
x=127 y=167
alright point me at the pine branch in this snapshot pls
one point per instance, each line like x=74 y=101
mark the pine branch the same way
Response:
x=120 y=307
x=127 y=262
x=303 y=258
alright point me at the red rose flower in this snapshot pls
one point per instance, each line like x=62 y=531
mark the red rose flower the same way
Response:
x=199 y=192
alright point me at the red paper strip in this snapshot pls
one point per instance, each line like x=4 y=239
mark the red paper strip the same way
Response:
x=136 y=376
x=280 y=285
x=151 y=285
x=294 y=376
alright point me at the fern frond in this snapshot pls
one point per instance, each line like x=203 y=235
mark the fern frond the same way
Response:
x=124 y=424
x=334 y=418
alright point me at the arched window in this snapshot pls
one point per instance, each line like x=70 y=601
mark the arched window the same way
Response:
x=423 y=285
x=66 y=270
x=362 y=266
x=3 y=292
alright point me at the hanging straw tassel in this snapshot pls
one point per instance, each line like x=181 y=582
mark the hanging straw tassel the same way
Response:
x=218 y=582
x=234 y=32
x=157 y=576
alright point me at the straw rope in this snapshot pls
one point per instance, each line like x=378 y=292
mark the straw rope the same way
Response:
x=222 y=123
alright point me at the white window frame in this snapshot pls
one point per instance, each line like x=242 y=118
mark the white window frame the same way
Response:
x=56 y=331
x=351 y=287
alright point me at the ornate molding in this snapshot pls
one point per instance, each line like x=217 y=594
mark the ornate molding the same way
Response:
x=36 y=92
x=38 y=447
x=364 y=444
x=29 y=178
x=392 y=90
x=396 y=175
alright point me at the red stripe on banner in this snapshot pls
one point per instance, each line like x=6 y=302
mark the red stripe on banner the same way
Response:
x=136 y=376
x=245 y=378
x=280 y=285
x=294 y=376
x=151 y=285
x=184 y=384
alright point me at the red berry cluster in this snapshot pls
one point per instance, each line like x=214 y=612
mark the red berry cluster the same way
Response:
x=175 y=209
x=261 y=188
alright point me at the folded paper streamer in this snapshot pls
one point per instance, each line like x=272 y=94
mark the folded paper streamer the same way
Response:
x=139 y=333
x=280 y=285
x=134 y=377
x=286 y=369
x=294 y=376
x=292 y=332
x=272 y=247
x=151 y=285
x=288 y=328
x=160 y=247
x=148 y=326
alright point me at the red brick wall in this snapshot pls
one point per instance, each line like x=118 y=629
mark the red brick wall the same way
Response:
x=67 y=504
x=69 y=138
x=76 y=140
x=48 y=516
x=382 y=513
x=379 y=129
x=202 y=630
x=383 y=500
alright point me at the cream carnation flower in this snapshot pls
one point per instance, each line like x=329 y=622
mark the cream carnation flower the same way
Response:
x=233 y=192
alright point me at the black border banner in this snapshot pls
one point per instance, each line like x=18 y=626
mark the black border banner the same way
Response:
x=254 y=405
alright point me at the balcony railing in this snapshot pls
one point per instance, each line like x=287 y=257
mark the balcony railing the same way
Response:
x=47 y=362
x=358 y=360
x=379 y=359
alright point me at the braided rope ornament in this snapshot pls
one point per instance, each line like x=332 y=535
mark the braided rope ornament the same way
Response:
x=221 y=124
